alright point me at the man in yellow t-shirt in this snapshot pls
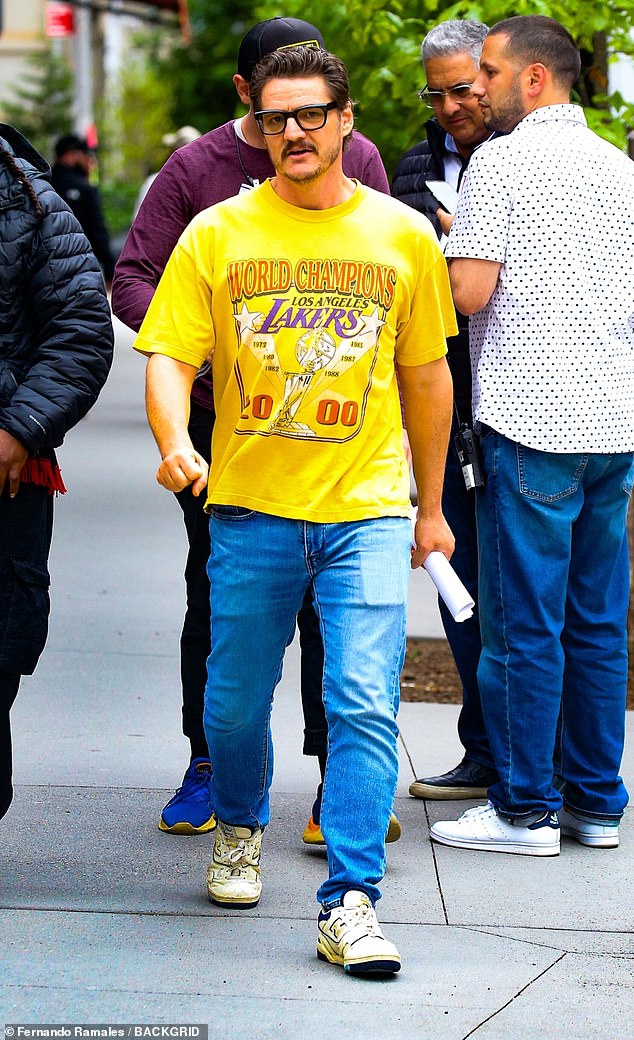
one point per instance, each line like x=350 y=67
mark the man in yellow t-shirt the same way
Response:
x=308 y=293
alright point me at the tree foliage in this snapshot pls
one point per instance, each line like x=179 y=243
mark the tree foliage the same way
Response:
x=41 y=106
x=132 y=123
x=380 y=42
x=200 y=73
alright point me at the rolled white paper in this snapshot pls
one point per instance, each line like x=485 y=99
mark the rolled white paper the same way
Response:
x=456 y=597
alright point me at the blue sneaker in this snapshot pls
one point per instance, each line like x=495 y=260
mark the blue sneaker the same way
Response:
x=189 y=811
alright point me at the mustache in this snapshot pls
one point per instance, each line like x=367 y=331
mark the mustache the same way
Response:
x=304 y=147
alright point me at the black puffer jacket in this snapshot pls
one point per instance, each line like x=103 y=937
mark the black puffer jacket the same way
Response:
x=56 y=338
x=424 y=162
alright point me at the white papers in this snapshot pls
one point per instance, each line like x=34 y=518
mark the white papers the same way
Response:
x=453 y=592
x=446 y=195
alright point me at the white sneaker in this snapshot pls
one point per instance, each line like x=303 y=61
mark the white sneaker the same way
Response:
x=481 y=828
x=233 y=876
x=597 y=835
x=350 y=935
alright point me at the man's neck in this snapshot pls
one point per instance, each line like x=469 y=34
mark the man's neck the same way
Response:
x=251 y=131
x=323 y=193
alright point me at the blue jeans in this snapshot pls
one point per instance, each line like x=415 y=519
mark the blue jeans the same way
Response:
x=260 y=568
x=195 y=637
x=554 y=592
x=459 y=507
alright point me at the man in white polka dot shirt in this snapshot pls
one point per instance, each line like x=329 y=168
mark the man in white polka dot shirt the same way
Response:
x=542 y=260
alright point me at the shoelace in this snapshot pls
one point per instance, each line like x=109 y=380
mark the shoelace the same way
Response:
x=239 y=854
x=364 y=915
x=479 y=810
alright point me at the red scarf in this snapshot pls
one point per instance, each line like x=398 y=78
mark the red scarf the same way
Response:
x=44 y=473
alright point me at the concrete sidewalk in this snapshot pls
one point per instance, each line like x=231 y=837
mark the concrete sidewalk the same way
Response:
x=105 y=919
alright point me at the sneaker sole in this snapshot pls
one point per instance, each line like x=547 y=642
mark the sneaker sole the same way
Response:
x=368 y=967
x=233 y=904
x=445 y=794
x=183 y=827
x=592 y=841
x=492 y=846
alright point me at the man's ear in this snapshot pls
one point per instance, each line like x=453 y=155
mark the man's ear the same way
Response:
x=536 y=78
x=242 y=86
x=347 y=119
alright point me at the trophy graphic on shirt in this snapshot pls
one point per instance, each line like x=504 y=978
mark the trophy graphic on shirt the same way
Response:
x=314 y=351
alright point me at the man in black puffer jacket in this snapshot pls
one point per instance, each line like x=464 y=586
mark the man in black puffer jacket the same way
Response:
x=56 y=345
x=451 y=55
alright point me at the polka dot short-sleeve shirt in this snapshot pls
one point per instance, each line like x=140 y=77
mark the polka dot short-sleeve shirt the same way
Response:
x=552 y=352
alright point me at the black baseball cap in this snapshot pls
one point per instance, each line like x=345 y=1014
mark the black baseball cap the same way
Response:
x=71 y=143
x=273 y=35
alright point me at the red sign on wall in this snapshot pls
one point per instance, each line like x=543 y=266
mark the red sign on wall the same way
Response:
x=60 y=19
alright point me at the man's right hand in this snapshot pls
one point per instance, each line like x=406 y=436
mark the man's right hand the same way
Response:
x=445 y=220
x=13 y=455
x=181 y=468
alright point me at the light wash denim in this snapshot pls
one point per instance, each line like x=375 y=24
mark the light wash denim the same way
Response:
x=259 y=569
x=554 y=592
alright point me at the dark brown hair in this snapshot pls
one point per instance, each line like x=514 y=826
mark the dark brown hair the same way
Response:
x=534 y=37
x=290 y=62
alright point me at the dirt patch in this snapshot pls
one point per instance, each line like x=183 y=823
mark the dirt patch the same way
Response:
x=429 y=673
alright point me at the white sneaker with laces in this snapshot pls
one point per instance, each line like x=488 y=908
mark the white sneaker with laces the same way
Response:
x=483 y=830
x=233 y=876
x=350 y=935
x=587 y=832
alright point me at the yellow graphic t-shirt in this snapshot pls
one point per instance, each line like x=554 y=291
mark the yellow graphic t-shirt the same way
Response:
x=303 y=313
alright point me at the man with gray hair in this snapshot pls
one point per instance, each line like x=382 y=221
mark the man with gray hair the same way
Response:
x=451 y=56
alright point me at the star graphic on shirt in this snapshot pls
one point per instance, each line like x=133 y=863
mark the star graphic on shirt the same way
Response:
x=372 y=323
x=251 y=321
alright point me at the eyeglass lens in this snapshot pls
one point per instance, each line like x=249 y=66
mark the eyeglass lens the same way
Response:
x=310 y=117
x=435 y=98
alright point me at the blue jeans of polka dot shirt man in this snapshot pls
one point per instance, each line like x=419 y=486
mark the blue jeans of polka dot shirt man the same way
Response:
x=554 y=592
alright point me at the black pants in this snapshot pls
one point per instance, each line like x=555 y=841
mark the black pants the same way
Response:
x=196 y=632
x=9 y=684
x=26 y=526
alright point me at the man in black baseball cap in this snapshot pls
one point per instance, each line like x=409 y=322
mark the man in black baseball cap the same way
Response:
x=273 y=35
x=74 y=161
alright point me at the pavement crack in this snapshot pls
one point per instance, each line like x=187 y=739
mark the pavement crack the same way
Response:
x=515 y=996
x=514 y=938
x=436 y=870
x=409 y=757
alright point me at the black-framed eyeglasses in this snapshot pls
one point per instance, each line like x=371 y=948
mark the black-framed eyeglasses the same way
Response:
x=435 y=98
x=309 y=117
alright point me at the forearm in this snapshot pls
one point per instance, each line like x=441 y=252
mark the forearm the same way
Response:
x=167 y=393
x=427 y=401
x=167 y=389
x=132 y=292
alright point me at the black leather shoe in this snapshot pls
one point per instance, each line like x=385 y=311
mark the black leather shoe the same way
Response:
x=468 y=780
